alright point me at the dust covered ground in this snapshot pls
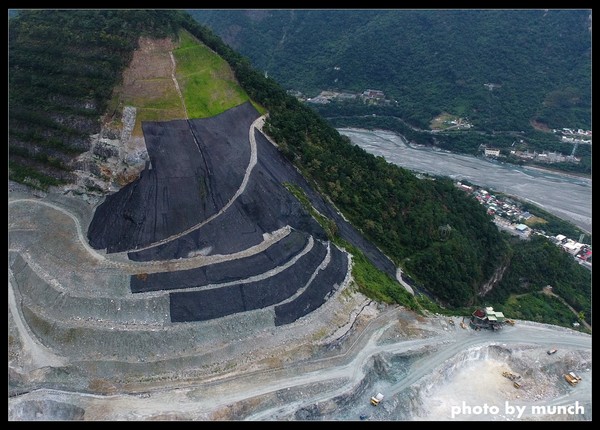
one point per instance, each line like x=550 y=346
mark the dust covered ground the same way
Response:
x=82 y=347
x=77 y=325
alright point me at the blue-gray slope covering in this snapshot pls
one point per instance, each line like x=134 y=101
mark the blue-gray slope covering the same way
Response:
x=196 y=167
x=227 y=271
x=218 y=302
x=318 y=292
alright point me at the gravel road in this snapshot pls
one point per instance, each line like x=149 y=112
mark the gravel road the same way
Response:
x=343 y=378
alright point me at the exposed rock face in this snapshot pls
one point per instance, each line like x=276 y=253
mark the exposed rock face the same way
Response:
x=105 y=148
x=195 y=168
x=489 y=285
x=129 y=114
x=114 y=158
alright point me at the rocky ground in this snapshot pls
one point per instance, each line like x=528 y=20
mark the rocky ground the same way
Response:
x=81 y=346
x=70 y=358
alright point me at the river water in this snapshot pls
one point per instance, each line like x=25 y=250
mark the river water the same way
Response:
x=566 y=196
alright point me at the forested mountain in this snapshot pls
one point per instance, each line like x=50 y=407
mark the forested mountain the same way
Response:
x=429 y=61
x=63 y=66
x=512 y=76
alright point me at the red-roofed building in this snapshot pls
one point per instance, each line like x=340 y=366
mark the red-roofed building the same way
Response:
x=487 y=318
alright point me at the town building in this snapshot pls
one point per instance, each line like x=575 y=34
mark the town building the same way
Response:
x=487 y=318
x=492 y=152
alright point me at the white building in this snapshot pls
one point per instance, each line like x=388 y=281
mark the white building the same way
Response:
x=572 y=247
x=491 y=152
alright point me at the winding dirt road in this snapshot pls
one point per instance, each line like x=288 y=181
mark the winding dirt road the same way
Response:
x=341 y=374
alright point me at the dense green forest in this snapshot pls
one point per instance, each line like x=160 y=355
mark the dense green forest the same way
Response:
x=432 y=61
x=440 y=236
x=429 y=61
x=538 y=263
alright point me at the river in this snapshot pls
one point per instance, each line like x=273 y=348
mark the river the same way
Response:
x=568 y=197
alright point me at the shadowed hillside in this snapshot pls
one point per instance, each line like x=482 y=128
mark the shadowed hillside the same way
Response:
x=428 y=61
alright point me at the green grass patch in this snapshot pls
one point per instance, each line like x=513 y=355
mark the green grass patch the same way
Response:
x=328 y=225
x=206 y=80
x=535 y=222
x=379 y=286
x=166 y=98
x=147 y=114
x=150 y=114
x=29 y=176
x=442 y=121
x=162 y=105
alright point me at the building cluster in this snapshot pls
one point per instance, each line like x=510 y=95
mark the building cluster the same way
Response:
x=446 y=122
x=578 y=250
x=505 y=208
x=491 y=152
x=488 y=318
x=372 y=96
x=545 y=157
x=368 y=96
x=509 y=217
x=574 y=136
x=459 y=123
x=541 y=157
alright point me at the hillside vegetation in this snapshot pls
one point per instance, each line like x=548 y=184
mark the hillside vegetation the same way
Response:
x=514 y=74
x=63 y=66
x=404 y=216
x=208 y=84
x=429 y=61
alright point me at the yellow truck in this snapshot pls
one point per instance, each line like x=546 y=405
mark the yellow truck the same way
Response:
x=572 y=378
x=375 y=400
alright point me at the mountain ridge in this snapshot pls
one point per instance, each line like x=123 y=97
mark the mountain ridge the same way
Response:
x=456 y=51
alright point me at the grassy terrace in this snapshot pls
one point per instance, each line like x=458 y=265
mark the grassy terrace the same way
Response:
x=371 y=281
x=206 y=81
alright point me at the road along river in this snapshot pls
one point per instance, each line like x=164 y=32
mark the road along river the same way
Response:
x=566 y=196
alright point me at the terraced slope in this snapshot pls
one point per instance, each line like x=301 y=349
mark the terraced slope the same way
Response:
x=208 y=191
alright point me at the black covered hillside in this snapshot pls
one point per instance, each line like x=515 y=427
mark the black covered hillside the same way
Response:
x=202 y=194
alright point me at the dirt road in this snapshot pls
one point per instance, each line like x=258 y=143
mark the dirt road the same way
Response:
x=279 y=393
x=325 y=366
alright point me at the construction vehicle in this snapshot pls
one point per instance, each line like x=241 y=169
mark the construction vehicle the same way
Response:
x=375 y=400
x=516 y=379
x=572 y=378
x=509 y=321
x=510 y=375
